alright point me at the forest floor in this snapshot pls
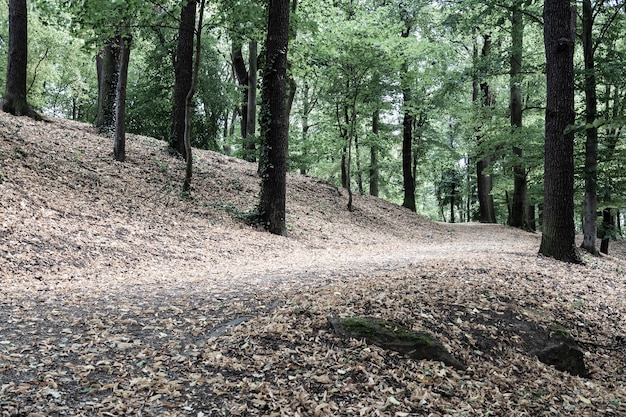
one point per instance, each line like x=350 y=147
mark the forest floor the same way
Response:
x=120 y=296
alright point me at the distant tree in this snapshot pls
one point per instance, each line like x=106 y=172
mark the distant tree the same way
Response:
x=14 y=100
x=558 y=213
x=183 y=69
x=273 y=161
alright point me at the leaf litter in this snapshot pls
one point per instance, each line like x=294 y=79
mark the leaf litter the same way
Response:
x=120 y=296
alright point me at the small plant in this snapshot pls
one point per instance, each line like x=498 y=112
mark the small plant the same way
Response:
x=161 y=164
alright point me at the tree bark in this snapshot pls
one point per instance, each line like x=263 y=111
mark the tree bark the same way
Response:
x=272 y=208
x=241 y=73
x=608 y=229
x=189 y=103
x=14 y=100
x=558 y=212
x=519 y=208
x=408 y=181
x=183 y=70
x=484 y=180
x=374 y=169
x=108 y=67
x=119 y=142
x=590 y=229
x=251 y=107
x=407 y=157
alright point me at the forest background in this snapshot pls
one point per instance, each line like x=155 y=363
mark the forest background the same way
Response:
x=438 y=106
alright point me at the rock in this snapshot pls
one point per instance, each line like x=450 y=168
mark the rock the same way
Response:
x=392 y=336
x=564 y=356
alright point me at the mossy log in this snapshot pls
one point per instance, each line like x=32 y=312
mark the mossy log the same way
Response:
x=392 y=336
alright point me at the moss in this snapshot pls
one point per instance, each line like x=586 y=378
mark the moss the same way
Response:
x=359 y=325
x=382 y=329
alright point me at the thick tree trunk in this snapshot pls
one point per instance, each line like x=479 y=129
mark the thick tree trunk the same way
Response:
x=119 y=142
x=374 y=170
x=359 y=174
x=484 y=180
x=590 y=229
x=183 y=69
x=275 y=126
x=14 y=100
x=519 y=208
x=558 y=213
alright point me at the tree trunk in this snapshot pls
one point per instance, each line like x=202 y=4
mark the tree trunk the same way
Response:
x=359 y=174
x=407 y=157
x=304 y=117
x=14 y=100
x=374 y=170
x=408 y=181
x=189 y=102
x=272 y=208
x=345 y=179
x=532 y=222
x=590 y=229
x=119 y=143
x=251 y=107
x=484 y=180
x=558 y=212
x=239 y=65
x=183 y=74
x=108 y=67
x=608 y=229
x=519 y=208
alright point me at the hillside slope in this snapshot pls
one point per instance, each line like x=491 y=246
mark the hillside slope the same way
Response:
x=116 y=291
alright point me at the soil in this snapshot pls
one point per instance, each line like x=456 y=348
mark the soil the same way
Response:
x=122 y=296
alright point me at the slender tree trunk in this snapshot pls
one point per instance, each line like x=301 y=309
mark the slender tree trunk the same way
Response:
x=484 y=180
x=119 y=142
x=345 y=178
x=558 y=235
x=239 y=65
x=519 y=208
x=275 y=125
x=452 y=203
x=183 y=69
x=304 y=118
x=374 y=170
x=408 y=181
x=14 y=100
x=189 y=102
x=407 y=156
x=359 y=174
x=590 y=229
x=251 y=108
